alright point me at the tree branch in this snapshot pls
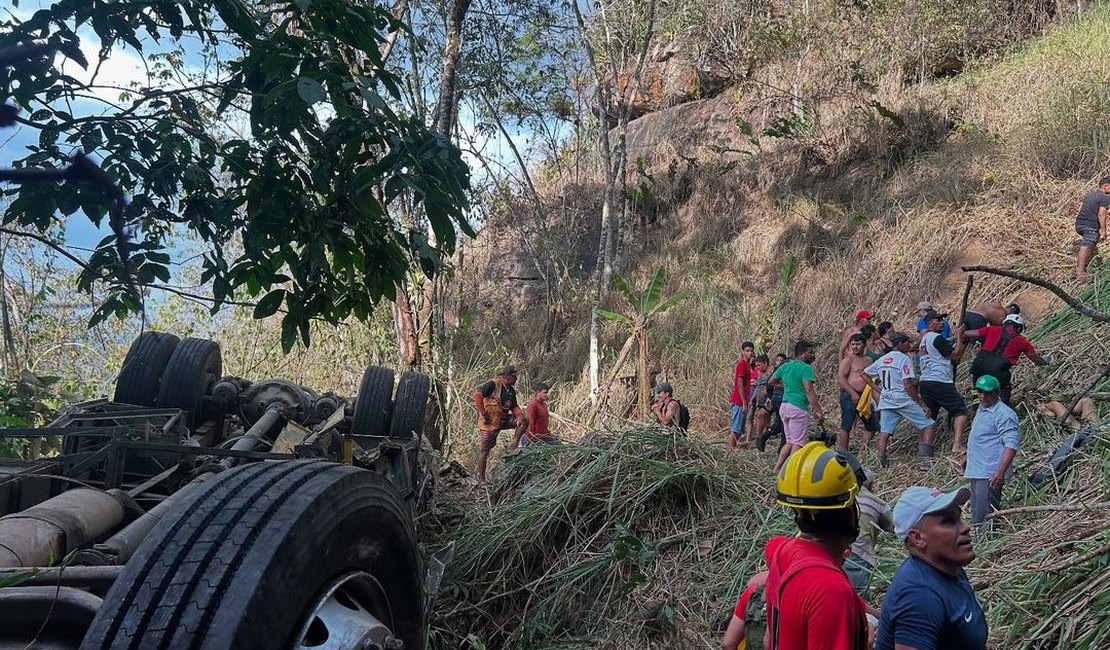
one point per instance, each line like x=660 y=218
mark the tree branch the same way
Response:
x=1078 y=396
x=1063 y=295
x=51 y=244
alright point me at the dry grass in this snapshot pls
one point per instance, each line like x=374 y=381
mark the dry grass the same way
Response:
x=640 y=540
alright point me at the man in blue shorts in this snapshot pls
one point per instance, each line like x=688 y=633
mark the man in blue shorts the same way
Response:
x=898 y=398
x=852 y=386
x=930 y=604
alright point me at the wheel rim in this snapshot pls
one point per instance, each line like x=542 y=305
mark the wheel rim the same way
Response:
x=353 y=613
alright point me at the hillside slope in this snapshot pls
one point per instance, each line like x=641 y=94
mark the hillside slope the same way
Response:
x=874 y=205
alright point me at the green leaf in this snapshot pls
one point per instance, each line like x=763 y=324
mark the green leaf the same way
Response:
x=670 y=302
x=614 y=316
x=269 y=303
x=311 y=91
x=626 y=291
x=653 y=291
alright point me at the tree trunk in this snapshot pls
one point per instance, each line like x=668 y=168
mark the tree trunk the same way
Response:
x=408 y=348
x=11 y=354
x=643 y=374
x=446 y=115
x=622 y=356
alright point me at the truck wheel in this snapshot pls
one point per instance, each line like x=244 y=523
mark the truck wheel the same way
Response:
x=374 y=403
x=292 y=554
x=408 y=408
x=191 y=371
x=143 y=367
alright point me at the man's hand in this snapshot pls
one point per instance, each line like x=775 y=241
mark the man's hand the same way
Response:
x=997 y=480
x=855 y=396
x=819 y=414
x=486 y=419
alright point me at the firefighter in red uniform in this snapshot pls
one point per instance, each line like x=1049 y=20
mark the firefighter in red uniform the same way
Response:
x=811 y=604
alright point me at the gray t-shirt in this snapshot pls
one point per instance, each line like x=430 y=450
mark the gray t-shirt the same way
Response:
x=933 y=352
x=1088 y=213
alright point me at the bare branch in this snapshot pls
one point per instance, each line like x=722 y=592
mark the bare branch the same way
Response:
x=1072 y=302
x=46 y=241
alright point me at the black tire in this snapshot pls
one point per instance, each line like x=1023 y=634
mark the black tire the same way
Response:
x=195 y=365
x=374 y=403
x=408 y=409
x=141 y=374
x=243 y=560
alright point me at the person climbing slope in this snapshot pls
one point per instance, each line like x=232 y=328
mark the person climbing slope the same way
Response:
x=799 y=400
x=1003 y=346
x=898 y=398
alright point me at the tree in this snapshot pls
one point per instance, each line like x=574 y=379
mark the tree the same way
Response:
x=293 y=146
x=646 y=305
x=611 y=93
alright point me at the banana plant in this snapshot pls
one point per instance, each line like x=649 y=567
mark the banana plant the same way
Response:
x=644 y=306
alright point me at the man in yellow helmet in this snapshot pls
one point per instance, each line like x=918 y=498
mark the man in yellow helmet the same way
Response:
x=811 y=604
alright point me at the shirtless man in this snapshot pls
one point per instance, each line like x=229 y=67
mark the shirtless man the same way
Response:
x=863 y=317
x=1083 y=413
x=991 y=313
x=852 y=385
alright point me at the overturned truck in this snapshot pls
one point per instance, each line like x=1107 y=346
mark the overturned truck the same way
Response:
x=195 y=510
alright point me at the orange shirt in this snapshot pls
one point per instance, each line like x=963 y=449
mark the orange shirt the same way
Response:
x=538 y=418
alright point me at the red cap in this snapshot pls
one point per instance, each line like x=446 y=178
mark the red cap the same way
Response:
x=863 y=313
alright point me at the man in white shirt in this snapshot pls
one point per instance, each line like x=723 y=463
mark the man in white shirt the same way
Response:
x=898 y=397
x=938 y=358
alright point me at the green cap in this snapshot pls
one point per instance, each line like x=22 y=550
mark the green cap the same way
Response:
x=987 y=383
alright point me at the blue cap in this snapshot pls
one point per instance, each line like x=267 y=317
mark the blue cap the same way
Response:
x=918 y=501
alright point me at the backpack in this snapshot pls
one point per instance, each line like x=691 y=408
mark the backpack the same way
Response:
x=755 y=620
x=683 y=417
x=993 y=362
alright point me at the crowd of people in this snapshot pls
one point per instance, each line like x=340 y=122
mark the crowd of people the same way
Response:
x=814 y=592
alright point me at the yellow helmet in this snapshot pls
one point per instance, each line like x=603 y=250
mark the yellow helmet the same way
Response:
x=816 y=477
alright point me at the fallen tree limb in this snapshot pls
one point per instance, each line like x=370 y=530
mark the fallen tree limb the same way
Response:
x=1072 y=302
x=1088 y=388
x=963 y=301
x=1050 y=508
x=1079 y=560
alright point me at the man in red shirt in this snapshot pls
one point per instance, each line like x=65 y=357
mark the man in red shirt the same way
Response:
x=811 y=604
x=1002 y=347
x=741 y=396
x=538 y=418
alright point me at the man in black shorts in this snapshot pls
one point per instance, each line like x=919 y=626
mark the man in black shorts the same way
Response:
x=938 y=385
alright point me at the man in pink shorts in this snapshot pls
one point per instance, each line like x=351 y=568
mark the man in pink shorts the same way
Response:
x=799 y=398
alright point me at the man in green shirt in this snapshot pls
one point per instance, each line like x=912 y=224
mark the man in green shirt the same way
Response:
x=799 y=398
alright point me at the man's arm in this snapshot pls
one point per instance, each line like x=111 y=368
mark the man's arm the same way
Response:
x=1031 y=353
x=1008 y=428
x=844 y=372
x=745 y=385
x=775 y=381
x=1102 y=223
x=911 y=389
x=667 y=415
x=532 y=411
x=480 y=404
x=844 y=340
x=811 y=395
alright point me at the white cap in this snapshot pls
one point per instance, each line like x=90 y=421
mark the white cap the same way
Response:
x=918 y=501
